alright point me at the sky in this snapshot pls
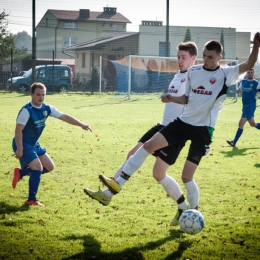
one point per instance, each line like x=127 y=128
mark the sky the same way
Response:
x=242 y=15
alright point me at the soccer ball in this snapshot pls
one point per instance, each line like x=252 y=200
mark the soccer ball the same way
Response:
x=191 y=221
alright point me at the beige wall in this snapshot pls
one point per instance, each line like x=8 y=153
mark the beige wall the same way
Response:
x=150 y=36
x=242 y=45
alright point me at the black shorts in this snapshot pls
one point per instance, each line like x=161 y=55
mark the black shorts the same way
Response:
x=168 y=154
x=177 y=132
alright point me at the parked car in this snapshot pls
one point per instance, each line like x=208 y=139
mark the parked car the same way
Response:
x=54 y=77
x=21 y=73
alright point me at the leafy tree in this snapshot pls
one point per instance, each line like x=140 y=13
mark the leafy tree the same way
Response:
x=7 y=41
x=187 y=36
x=222 y=42
x=23 y=42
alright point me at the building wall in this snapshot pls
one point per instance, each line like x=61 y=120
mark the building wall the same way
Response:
x=150 y=36
x=242 y=45
x=50 y=28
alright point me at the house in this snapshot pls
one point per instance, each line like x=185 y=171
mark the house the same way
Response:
x=59 y=29
x=87 y=54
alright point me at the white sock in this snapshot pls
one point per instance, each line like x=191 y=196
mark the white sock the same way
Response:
x=108 y=193
x=119 y=170
x=192 y=194
x=173 y=189
x=133 y=164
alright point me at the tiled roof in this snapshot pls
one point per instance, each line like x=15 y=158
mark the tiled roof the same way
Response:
x=98 y=42
x=93 y=16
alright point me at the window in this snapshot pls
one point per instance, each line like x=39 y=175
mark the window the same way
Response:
x=70 y=25
x=50 y=73
x=41 y=73
x=115 y=27
x=83 y=60
x=162 y=49
x=69 y=41
x=64 y=73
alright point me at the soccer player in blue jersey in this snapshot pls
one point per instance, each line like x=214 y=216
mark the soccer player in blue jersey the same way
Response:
x=30 y=124
x=248 y=87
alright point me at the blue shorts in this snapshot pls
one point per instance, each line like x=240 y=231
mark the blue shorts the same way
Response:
x=248 y=111
x=30 y=152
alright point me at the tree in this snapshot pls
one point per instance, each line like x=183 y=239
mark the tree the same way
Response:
x=187 y=36
x=23 y=42
x=222 y=42
x=7 y=41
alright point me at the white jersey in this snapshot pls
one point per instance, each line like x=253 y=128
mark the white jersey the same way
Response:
x=206 y=91
x=176 y=88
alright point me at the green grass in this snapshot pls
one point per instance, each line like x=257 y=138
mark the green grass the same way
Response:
x=136 y=223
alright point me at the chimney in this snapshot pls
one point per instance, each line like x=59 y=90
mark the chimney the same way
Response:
x=83 y=13
x=109 y=10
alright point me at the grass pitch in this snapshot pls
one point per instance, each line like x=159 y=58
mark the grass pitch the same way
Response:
x=135 y=225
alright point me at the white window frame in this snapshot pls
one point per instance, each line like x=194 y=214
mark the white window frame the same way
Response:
x=70 y=41
x=70 y=25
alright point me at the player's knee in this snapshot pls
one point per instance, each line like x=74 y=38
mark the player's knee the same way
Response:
x=148 y=147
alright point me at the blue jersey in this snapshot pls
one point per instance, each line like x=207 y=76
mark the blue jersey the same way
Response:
x=249 y=89
x=36 y=122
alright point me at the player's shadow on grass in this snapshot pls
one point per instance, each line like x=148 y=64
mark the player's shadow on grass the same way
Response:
x=92 y=248
x=237 y=152
x=8 y=209
x=257 y=165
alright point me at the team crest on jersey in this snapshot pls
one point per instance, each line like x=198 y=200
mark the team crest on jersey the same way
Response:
x=173 y=90
x=182 y=80
x=212 y=81
x=45 y=113
x=201 y=90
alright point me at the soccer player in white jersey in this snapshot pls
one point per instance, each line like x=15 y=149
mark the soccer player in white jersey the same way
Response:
x=30 y=124
x=166 y=156
x=206 y=88
x=249 y=88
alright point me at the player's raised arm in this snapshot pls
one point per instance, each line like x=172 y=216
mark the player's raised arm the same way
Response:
x=245 y=66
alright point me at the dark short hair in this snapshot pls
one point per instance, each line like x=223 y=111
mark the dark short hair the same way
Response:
x=191 y=47
x=214 y=45
x=37 y=85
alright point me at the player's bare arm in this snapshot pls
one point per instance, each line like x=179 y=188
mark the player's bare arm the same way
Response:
x=166 y=98
x=18 y=139
x=243 y=67
x=74 y=121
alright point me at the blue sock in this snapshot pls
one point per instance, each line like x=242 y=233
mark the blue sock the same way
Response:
x=44 y=170
x=34 y=182
x=25 y=171
x=258 y=126
x=238 y=134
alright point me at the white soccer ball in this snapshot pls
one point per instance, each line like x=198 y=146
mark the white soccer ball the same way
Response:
x=191 y=221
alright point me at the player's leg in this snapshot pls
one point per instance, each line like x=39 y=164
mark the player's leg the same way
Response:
x=199 y=147
x=135 y=161
x=19 y=173
x=171 y=187
x=113 y=184
x=34 y=181
x=253 y=123
x=239 y=131
x=47 y=163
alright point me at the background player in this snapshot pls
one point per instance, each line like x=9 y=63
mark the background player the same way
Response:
x=248 y=87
